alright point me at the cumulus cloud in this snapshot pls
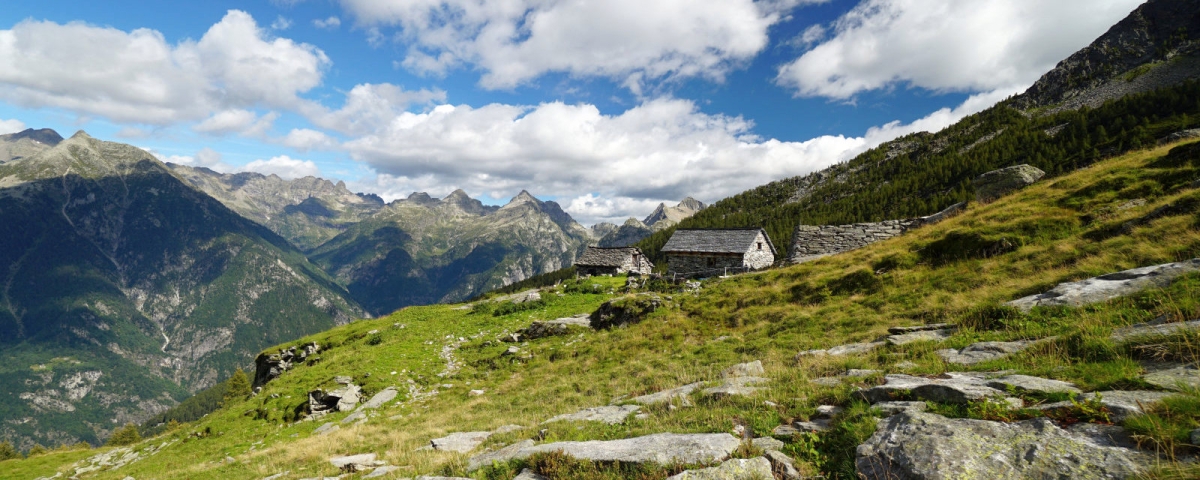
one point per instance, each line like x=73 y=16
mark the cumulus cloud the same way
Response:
x=227 y=121
x=369 y=106
x=631 y=41
x=331 y=23
x=947 y=45
x=137 y=77
x=304 y=139
x=11 y=126
x=281 y=23
x=285 y=167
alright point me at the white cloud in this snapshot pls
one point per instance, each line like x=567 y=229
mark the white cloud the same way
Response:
x=304 y=139
x=331 y=23
x=137 y=77
x=281 y=23
x=285 y=167
x=11 y=126
x=228 y=121
x=948 y=45
x=132 y=133
x=515 y=41
x=370 y=106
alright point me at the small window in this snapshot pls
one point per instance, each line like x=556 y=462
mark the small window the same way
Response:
x=712 y=262
x=760 y=245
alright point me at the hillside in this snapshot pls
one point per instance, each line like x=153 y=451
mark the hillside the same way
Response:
x=454 y=372
x=423 y=250
x=1131 y=87
x=306 y=211
x=124 y=289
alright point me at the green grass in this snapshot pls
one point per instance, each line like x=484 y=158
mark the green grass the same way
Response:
x=951 y=272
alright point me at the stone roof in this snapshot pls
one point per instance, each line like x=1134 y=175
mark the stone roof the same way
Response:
x=606 y=257
x=715 y=240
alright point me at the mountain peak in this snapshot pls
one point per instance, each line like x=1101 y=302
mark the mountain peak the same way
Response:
x=43 y=135
x=82 y=135
x=692 y=204
x=523 y=198
x=633 y=222
x=457 y=196
x=420 y=197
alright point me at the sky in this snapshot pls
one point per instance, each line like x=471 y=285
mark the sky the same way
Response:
x=607 y=107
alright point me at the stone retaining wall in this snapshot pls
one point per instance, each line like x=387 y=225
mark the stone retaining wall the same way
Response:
x=811 y=242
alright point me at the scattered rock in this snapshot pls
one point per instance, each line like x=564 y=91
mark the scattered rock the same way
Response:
x=783 y=465
x=343 y=380
x=920 y=328
x=610 y=414
x=953 y=388
x=476 y=393
x=997 y=183
x=736 y=469
x=326 y=429
x=767 y=443
x=506 y=429
x=667 y=396
x=750 y=369
x=828 y=411
x=528 y=474
x=1121 y=404
x=920 y=336
x=1026 y=383
x=461 y=442
x=1157 y=328
x=736 y=386
x=927 y=446
x=860 y=373
x=550 y=328
x=982 y=352
x=623 y=311
x=1107 y=287
x=356 y=463
x=527 y=297
x=893 y=408
x=662 y=448
x=814 y=425
x=827 y=381
x=387 y=395
x=785 y=431
x=851 y=349
x=354 y=417
x=381 y=471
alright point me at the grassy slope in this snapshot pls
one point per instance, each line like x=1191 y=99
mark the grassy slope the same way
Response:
x=1064 y=228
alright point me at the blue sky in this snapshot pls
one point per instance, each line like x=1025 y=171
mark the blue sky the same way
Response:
x=606 y=107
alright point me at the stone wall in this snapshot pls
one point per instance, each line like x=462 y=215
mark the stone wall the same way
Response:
x=705 y=265
x=643 y=267
x=811 y=242
x=760 y=255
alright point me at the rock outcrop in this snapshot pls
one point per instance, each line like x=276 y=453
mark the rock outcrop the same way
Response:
x=915 y=445
x=662 y=448
x=1107 y=287
x=998 y=183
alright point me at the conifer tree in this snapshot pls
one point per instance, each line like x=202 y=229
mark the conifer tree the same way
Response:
x=126 y=435
x=239 y=387
x=7 y=451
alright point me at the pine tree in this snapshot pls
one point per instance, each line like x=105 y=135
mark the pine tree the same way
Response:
x=239 y=387
x=126 y=435
x=7 y=451
x=37 y=450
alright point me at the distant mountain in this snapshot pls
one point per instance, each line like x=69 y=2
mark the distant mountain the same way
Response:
x=663 y=217
x=1155 y=46
x=307 y=211
x=122 y=289
x=601 y=229
x=423 y=250
x=15 y=146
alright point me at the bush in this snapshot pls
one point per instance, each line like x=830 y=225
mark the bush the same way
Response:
x=37 y=450
x=127 y=435
x=7 y=451
x=239 y=387
x=510 y=308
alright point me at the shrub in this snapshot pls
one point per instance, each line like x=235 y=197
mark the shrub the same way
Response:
x=956 y=246
x=7 y=451
x=127 y=435
x=510 y=308
x=239 y=387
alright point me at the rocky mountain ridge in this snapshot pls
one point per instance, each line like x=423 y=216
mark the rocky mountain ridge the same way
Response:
x=15 y=146
x=124 y=289
x=634 y=230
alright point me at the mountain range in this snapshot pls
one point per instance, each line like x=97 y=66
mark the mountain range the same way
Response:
x=634 y=230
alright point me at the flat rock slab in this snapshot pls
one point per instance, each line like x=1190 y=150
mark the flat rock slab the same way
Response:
x=581 y=320
x=1026 y=383
x=387 y=395
x=982 y=352
x=1178 y=379
x=920 y=336
x=356 y=463
x=927 y=446
x=920 y=328
x=893 y=408
x=326 y=429
x=610 y=414
x=736 y=469
x=736 y=386
x=667 y=396
x=750 y=369
x=661 y=448
x=1121 y=404
x=528 y=474
x=768 y=443
x=381 y=471
x=1107 y=287
x=840 y=350
x=461 y=442
x=1153 y=329
x=953 y=388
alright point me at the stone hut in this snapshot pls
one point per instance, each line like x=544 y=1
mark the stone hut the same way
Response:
x=612 y=261
x=712 y=252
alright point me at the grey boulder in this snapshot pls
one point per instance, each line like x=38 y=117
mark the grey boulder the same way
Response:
x=661 y=448
x=997 y=183
x=610 y=414
x=927 y=446
x=736 y=469
x=1107 y=287
x=982 y=352
x=460 y=442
